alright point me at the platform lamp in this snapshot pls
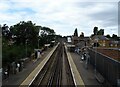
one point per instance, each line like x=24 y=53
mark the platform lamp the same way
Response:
x=38 y=42
x=26 y=46
x=96 y=41
x=26 y=41
x=39 y=34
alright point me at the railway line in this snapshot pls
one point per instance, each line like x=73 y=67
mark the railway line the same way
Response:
x=56 y=71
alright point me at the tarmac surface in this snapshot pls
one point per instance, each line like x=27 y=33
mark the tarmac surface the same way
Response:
x=87 y=74
x=17 y=79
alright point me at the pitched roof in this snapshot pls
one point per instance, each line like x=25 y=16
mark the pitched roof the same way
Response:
x=100 y=37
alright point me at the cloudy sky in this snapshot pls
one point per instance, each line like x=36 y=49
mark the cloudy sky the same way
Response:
x=63 y=15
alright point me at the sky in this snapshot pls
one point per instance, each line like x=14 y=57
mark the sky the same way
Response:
x=63 y=15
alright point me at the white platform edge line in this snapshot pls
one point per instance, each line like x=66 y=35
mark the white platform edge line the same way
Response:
x=70 y=67
x=46 y=59
x=69 y=55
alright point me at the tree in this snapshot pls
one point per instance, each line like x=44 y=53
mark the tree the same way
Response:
x=100 y=32
x=114 y=36
x=82 y=34
x=95 y=30
x=47 y=31
x=25 y=38
x=6 y=33
x=108 y=36
x=25 y=31
x=23 y=34
x=47 y=35
x=76 y=32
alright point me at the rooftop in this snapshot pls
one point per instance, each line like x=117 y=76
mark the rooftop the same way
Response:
x=100 y=37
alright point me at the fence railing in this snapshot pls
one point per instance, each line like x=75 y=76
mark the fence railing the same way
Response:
x=106 y=66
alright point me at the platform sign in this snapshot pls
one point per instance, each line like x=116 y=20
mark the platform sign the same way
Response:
x=69 y=39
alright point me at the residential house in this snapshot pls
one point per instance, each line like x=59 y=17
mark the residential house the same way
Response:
x=100 y=40
x=114 y=43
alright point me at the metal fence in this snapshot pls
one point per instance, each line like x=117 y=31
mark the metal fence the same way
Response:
x=106 y=66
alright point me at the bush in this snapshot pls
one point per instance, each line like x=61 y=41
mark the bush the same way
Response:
x=15 y=53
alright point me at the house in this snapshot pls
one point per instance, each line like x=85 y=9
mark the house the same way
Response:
x=100 y=40
x=86 y=40
x=114 y=43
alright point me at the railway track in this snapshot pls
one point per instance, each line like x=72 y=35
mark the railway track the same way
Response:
x=56 y=71
x=66 y=71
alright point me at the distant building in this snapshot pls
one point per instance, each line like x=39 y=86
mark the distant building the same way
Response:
x=100 y=41
x=69 y=39
x=75 y=40
x=114 y=43
x=80 y=41
x=85 y=39
x=103 y=41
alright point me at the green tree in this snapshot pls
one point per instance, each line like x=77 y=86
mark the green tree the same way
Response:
x=6 y=33
x=76 y=32
x=100 y=32
x=108 y=36
x=95 y=30
x=17 y=39
x=25 y=32
x=46 y=35
x=24 y=38
x=82 y=34
x=114 y=36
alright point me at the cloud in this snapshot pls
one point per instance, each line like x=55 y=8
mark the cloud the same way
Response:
x=63 y=16
x=108 y=15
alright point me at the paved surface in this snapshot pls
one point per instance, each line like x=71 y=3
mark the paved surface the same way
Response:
x=18 y=78
x=86 y=74
x=35 y=72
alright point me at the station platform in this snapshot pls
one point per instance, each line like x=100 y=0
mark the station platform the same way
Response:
x=20 y=77
x=75 y=73
x=82 y=76
x=87 y=75
x=35 y=72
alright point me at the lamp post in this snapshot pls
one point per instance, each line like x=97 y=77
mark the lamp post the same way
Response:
x=38 y=42
x=26 y=41
x=26 y=46
x=95 y=53
x=39 y=34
